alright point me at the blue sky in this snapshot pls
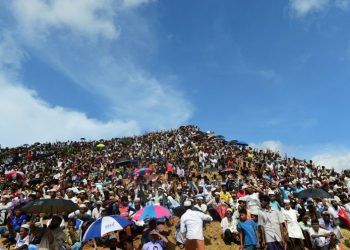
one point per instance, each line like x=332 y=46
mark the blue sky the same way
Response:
x=272 y=73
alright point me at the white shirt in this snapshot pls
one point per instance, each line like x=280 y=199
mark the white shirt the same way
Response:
x=202 y=207
x=291 y=217
x=320 y=241
x=192 y=224
x=226 y=224
x=96 y=213
x=253 y=202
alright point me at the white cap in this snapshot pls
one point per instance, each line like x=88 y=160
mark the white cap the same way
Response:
x=286 y=201
x=26 y=226
x=271 y=192
x=52 y=190
x=187 y=203
x=199 y=198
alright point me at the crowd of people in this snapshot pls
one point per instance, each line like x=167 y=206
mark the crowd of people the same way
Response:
x=253 y=193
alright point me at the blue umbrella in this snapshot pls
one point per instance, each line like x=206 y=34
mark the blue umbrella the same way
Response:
x=242 y=143
x=105 y=225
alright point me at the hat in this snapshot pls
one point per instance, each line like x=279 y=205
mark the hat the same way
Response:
x=26 y=226
x=99 y=202
x=286 y=201
x=242 y=199
x=271 y=192
x=199 y=198
x=52 y=190
x=187 y=203
x=217 y=193
x=82 y=206
x=229 y=210
x=254 y=212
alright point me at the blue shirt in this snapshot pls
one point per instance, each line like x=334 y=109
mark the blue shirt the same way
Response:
x=248 y=227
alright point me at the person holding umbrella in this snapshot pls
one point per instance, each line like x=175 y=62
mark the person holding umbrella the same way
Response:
x=52 y=237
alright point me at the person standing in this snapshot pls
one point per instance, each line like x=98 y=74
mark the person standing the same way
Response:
x=248 y=232
x=295 y=233
x=271 y=223
x=191 y=225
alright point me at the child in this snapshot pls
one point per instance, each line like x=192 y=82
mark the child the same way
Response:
x=247 y=231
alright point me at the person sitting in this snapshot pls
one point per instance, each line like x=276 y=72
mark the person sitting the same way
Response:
x=73 y=235
x=22 y=238
x=14 y=222
x=228 y=226
x=157 y=241
x=320 y=238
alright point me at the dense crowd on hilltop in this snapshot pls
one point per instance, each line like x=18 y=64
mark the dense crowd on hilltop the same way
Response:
x=253 y=193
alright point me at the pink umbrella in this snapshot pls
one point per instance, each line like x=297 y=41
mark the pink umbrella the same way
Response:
x=15 y=175
x=141 y=172
x=153 y=211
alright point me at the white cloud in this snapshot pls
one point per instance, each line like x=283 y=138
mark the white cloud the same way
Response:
x=303 y=7
x=83 y=41
x=134 y=3
x=275 y=146
x=87 y=17
x=27 y=119
x=342 y=4
x=338 y=160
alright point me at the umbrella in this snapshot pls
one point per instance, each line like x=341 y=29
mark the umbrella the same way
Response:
x=105 y=225
x=100 y=145
x=123 y=162
x=141 y=171
x=15 y=175
x=179 y=211
x=228 y=170
x=50 y=206
x=242 y=143
x=34 y=181
x=153 y=211
x=313 y=193
x=221 y=210
x=233 y=142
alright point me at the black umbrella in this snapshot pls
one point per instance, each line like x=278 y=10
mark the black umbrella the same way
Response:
x=179 y=211
x=123 y=162
x=313 y=193
x=50 y=206
x=34 y=182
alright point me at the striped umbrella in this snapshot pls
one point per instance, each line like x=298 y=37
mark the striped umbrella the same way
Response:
x=15 y=175
x=152 y=211
x=141 y=171
x=105 y=225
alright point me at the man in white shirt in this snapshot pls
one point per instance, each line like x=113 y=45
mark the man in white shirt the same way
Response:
x=191 y=225
x=200 y=206
x=96 y=212
x=229 y=227
x=295 y=234
x=320 y=238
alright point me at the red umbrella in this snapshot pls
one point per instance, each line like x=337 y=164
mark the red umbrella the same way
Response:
x=228 y=170
x=15 y=175
x=221 y=210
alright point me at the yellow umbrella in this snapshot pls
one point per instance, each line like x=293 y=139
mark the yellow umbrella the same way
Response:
x=101 y=145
